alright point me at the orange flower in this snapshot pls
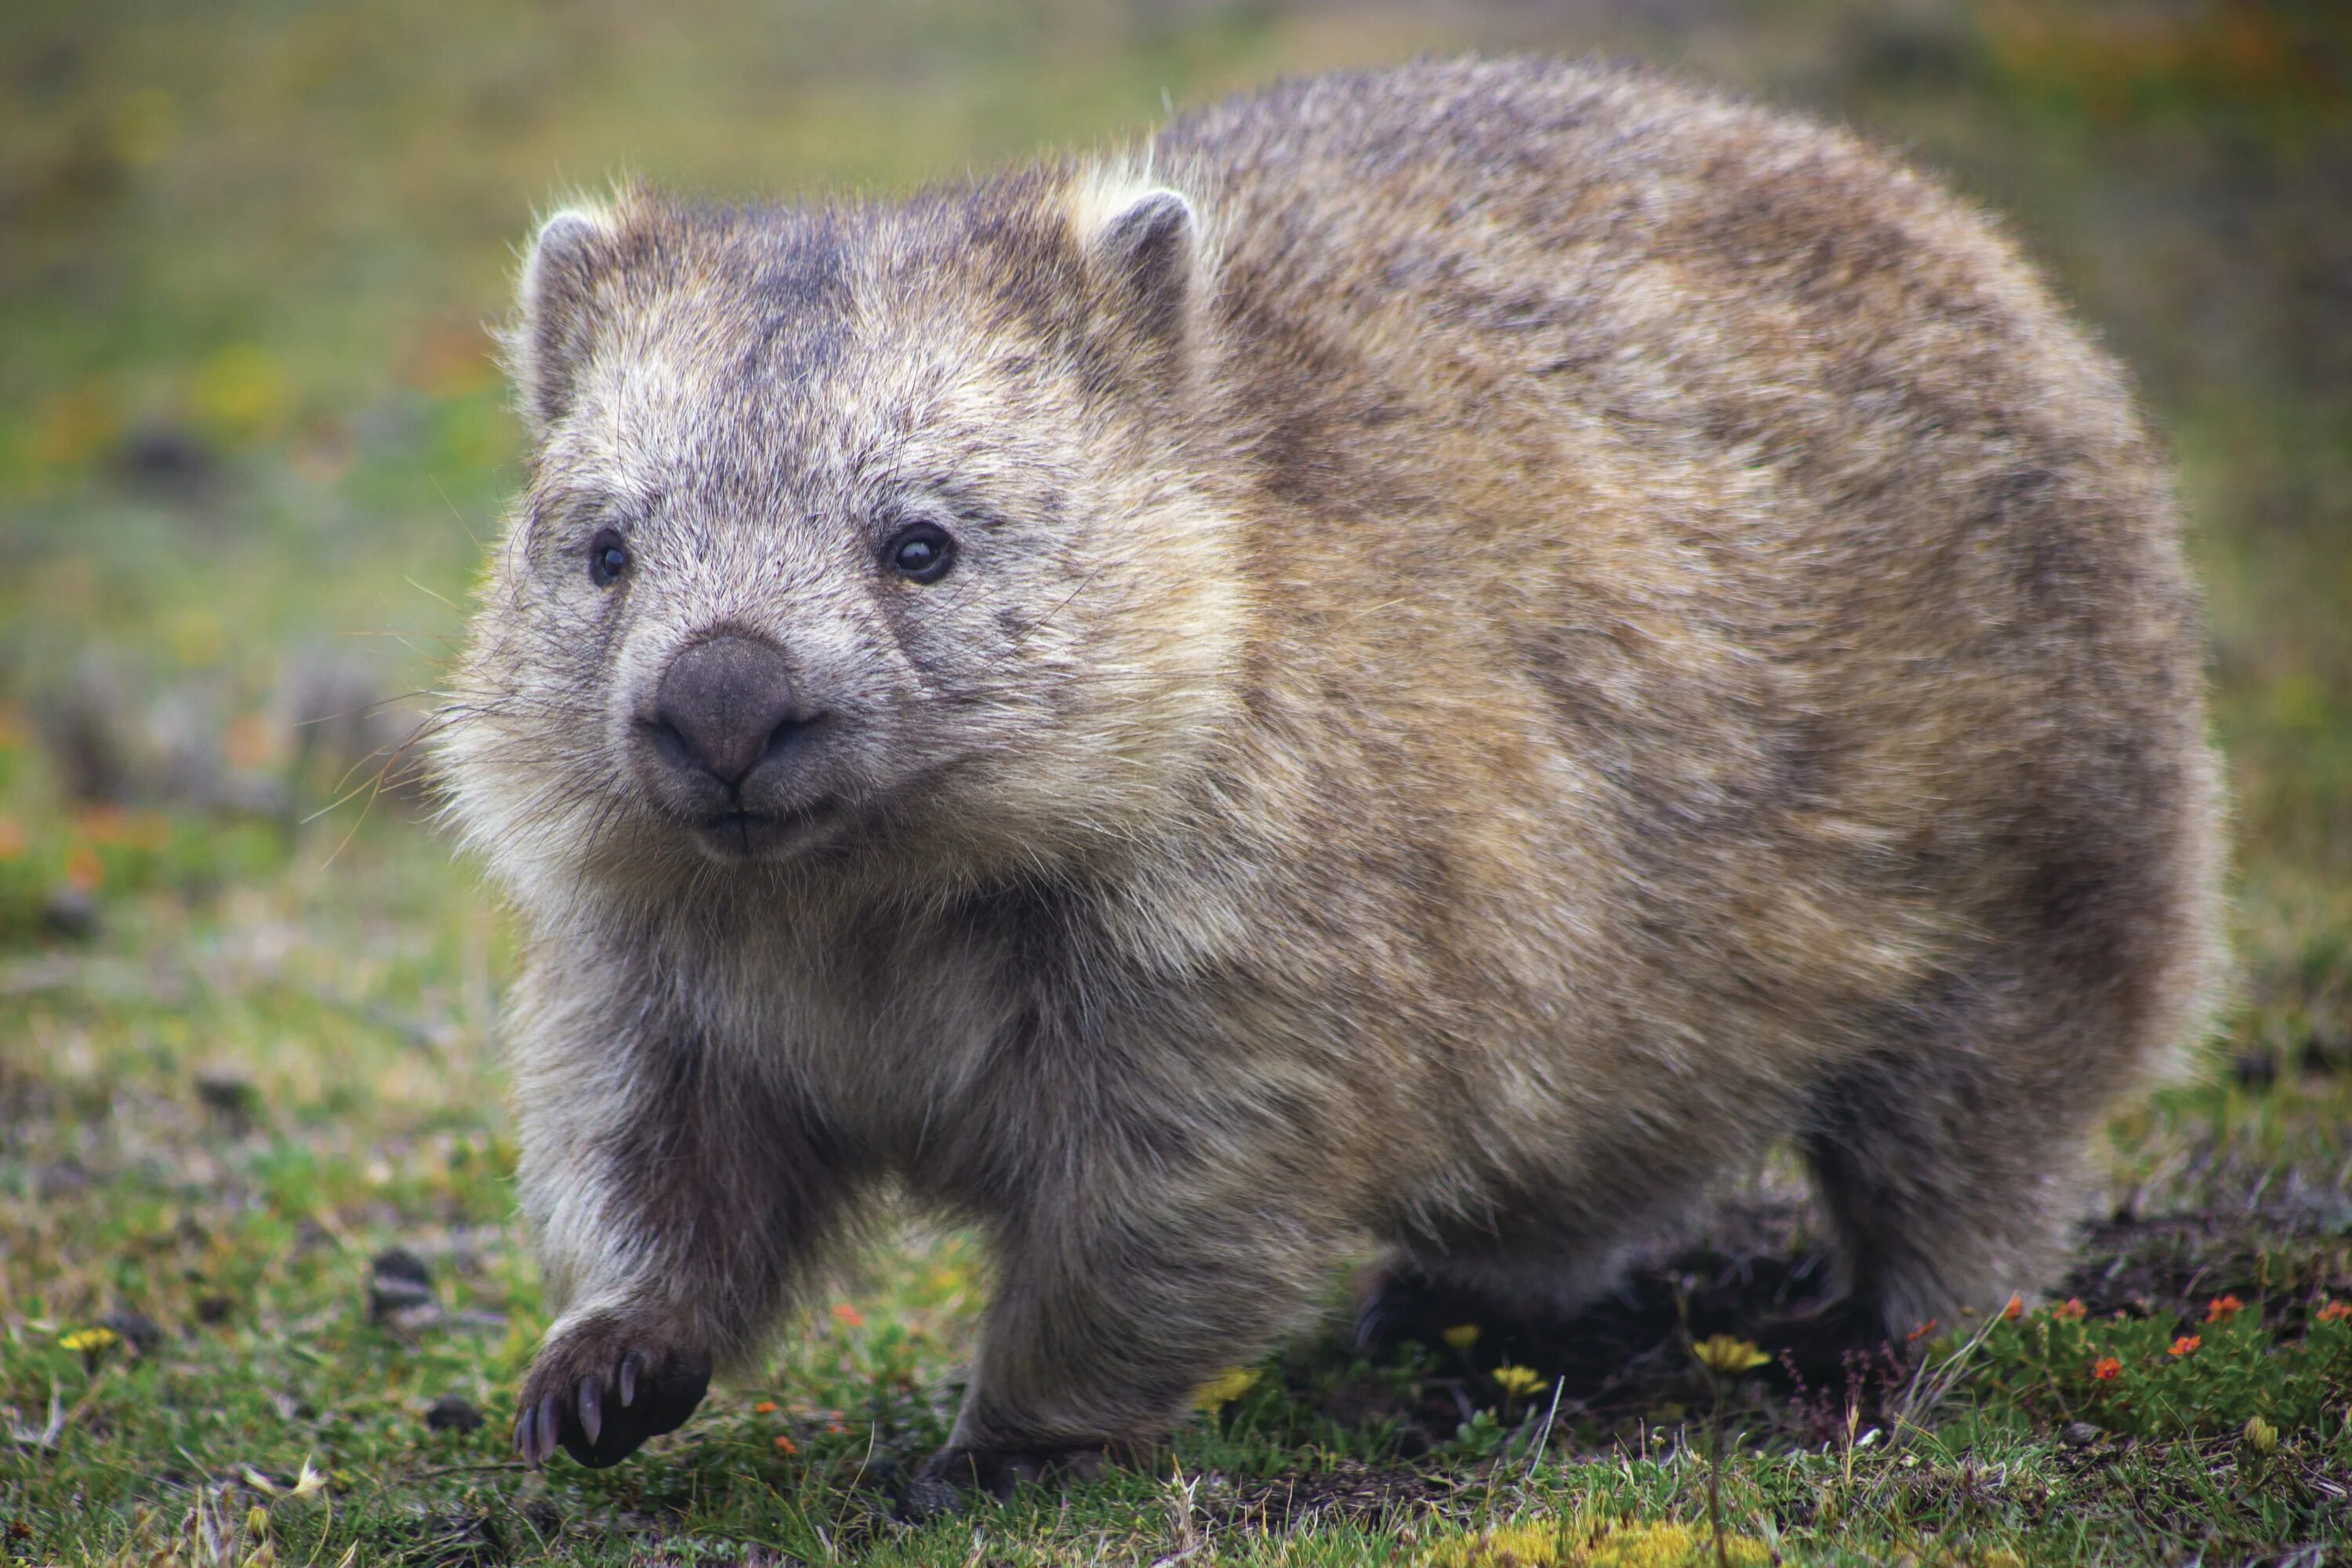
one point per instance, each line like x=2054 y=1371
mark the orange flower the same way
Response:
x=102 y=822
x=849 y=1316
x=84 y=870
x=2222 y=1309
x=249 y=743
x=112 y=824
x=2186 y=1344
x=2105 y=1368
x=785 y=1445
x=1923 y=1331
x=2070 y=1310
x=2014 y=1311
x=765 y=1407
x=2336 y=1311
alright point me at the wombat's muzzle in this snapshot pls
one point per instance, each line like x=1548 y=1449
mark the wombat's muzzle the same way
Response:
x=728 y=733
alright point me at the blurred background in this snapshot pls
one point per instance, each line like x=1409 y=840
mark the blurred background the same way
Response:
x=251 y=434
x=252 y=439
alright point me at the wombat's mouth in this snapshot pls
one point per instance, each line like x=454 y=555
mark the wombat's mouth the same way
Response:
x=759 y=835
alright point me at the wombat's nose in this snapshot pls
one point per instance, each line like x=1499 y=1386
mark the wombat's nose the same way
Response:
x=723 y=705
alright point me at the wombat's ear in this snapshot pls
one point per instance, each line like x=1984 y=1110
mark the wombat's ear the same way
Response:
x=1145 y=246
x=550 y=341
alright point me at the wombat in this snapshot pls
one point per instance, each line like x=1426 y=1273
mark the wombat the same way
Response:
x=1433 y=658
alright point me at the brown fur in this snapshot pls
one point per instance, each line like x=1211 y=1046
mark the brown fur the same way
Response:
x=1525 y=634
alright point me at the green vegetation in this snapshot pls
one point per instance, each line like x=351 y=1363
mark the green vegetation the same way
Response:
x=249 y=438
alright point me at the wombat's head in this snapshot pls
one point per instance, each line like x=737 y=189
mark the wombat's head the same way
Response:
x=849 y=532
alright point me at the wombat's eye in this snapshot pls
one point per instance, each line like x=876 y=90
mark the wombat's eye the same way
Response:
x=607 y=559
x=920 y=552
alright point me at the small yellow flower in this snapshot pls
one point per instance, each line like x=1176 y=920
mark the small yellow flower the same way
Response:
x=2260 y=1435
x=309 y=1482
x=1723 y=1354
x=1519 y=1382
x=88 y=1341
x=1225 y=1388
x=1461 y=1336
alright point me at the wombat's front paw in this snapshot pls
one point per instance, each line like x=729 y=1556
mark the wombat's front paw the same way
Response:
x=605 y=1387
x=938 y=1488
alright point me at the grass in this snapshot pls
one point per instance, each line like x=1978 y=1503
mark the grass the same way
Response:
x=249 y=439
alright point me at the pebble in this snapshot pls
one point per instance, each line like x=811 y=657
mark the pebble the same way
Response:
x=400 y=1290
x=69 y=914
x=453 y=1412
x=139 y=1331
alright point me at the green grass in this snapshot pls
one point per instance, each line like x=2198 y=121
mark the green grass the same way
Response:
x=250 y=440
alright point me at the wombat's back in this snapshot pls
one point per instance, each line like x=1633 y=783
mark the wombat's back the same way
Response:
x=1764 y=465
x=1775 y=346
x=1761 y=480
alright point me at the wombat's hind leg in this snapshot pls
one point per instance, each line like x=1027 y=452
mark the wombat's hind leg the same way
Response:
x=1397 y=1302
x=1950 y=1178
x=940 y=1486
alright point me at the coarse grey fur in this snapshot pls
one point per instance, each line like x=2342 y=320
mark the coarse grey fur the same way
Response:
x=1517 y=633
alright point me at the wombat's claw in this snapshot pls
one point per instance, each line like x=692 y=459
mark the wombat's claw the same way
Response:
x=940 y=1486
x=569 y=1409
x=1395 y=1303
x=1380 y=1317
x=592 y=1407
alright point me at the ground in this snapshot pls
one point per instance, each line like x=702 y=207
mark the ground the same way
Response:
x=262 y=1295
